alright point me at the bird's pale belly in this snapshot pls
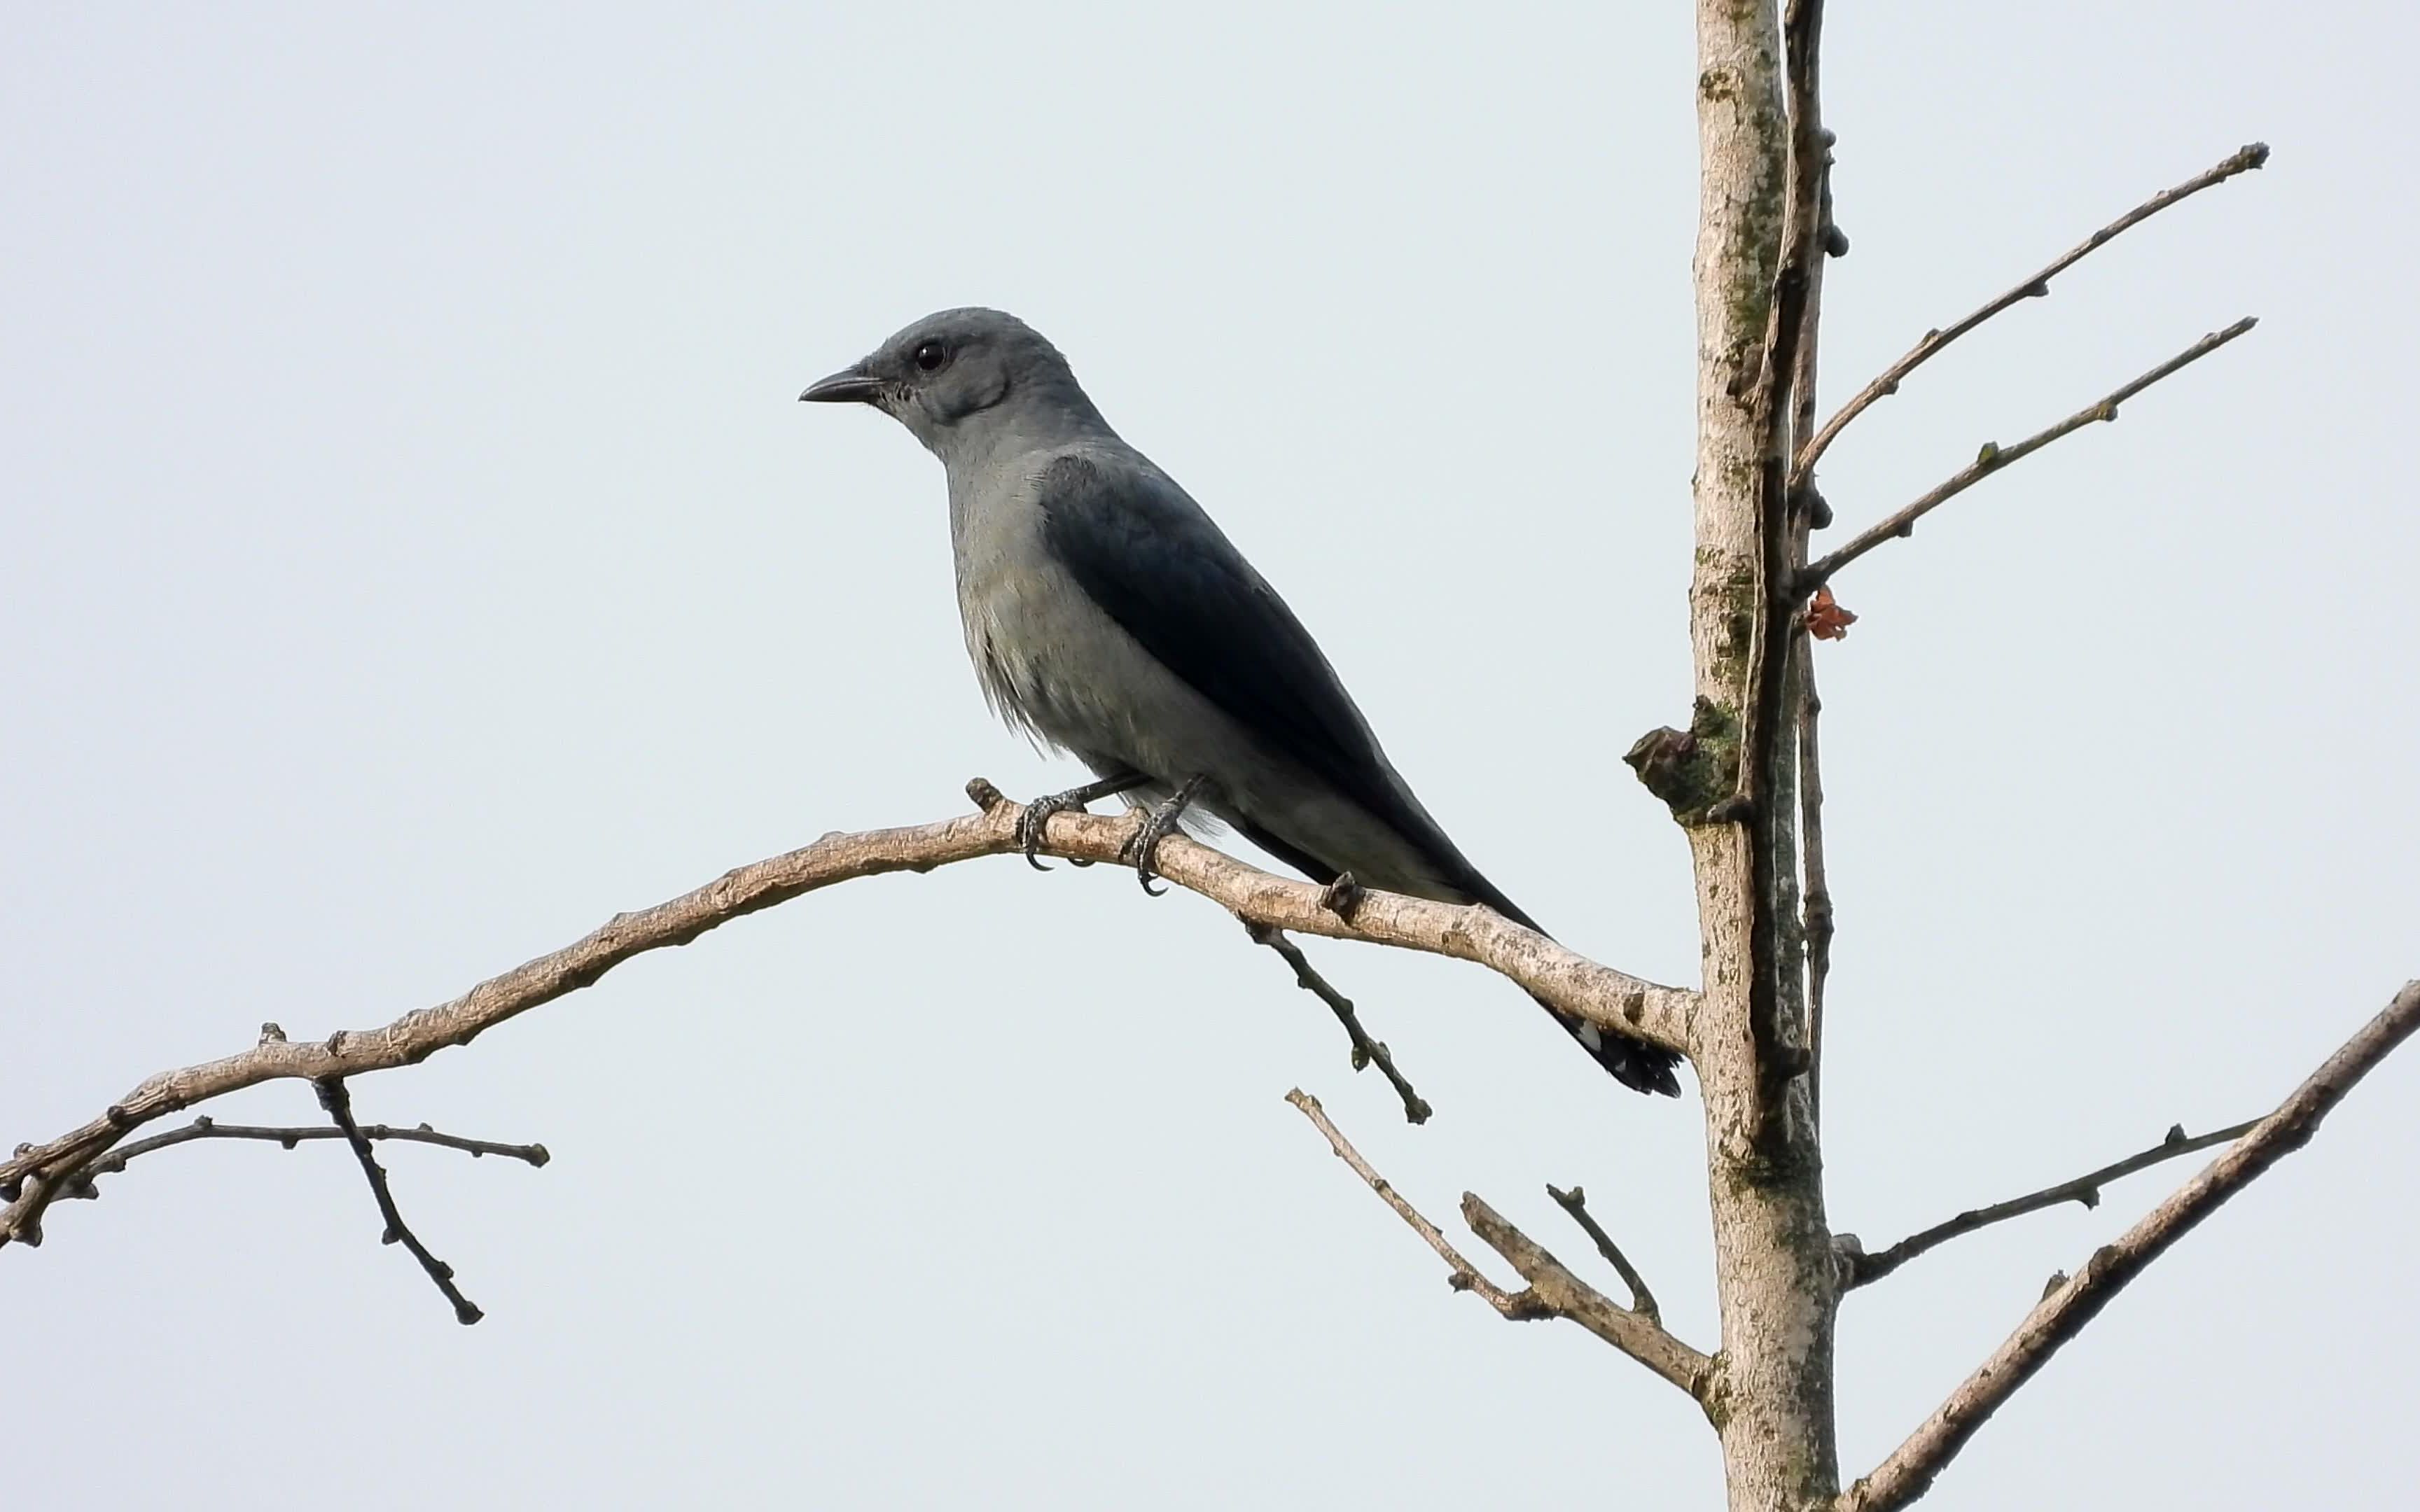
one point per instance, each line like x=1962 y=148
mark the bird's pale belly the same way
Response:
x=1058 y=667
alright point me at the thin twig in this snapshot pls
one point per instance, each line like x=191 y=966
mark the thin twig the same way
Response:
x=2064 y=1311
x=1460 y=1273
x=1993 y=458
x=339 y=1104
x=1815 y=904
x=1574 y=984
x=1775 y=964
x=1366 y=1051
x=2085 y=1189
x=1802 y=29
x=206 y=1127
x=1553 y=1290
x=1810 y=209
x=1575 y=1202
x=2242 y=160
x=1811 y=150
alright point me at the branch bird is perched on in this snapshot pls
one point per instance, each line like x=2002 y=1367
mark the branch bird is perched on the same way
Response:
x=1107 y=616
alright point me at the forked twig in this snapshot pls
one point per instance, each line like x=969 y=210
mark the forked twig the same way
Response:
x=2242 y=159
x=2070 y=1304
x=1992 y=459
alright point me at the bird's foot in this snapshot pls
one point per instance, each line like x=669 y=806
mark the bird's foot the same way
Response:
x=1160 y=824
x=1030 y=824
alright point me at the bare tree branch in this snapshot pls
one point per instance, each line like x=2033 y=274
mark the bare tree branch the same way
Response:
x=1811 y=184
x=1564 y=1295
x=1774 y=1275
x=1763 y=800
x=1553 y=1290
x=1864 y=1270
x=1575 y=1202
x=1461 y=1275
x=1815 y=918
x=1366 y=1051
x=1992 y=459
x=2242 y=160
x=339 y=1104
x=1571 y=982
x=206 y=1127
x=1909 y=1471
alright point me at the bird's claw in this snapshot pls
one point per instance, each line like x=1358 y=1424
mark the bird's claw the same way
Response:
x=1037 y=818
x=1142 y=849
x=1037 y=814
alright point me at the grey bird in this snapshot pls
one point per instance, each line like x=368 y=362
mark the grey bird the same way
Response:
x=1109 y=618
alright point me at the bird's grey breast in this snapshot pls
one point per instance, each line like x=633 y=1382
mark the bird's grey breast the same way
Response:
x=1030 y=632
x=1051 y=659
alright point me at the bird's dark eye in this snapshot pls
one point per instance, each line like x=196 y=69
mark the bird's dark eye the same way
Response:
x=931 y=356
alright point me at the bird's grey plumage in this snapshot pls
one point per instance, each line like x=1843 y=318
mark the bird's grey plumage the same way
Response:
x=1109 y=616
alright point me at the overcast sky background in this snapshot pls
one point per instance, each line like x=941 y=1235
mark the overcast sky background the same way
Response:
x=414 y=554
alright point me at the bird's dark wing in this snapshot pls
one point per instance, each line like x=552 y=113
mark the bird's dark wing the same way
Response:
x=1142 y=550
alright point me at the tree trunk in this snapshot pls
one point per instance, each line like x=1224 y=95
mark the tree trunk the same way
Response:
x=1775 y=1272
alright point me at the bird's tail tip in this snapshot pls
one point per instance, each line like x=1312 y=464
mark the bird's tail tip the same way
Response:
x=1641 y=1067
x=1635 y=1063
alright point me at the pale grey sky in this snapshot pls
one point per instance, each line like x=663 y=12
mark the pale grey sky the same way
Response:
x=414 y=554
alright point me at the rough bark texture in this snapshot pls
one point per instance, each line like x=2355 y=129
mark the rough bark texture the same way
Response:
x=1773 y=1400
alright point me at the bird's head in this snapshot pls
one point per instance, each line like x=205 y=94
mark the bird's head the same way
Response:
x=963 y=376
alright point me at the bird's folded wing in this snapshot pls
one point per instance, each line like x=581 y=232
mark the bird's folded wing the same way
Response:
x=1148 y=556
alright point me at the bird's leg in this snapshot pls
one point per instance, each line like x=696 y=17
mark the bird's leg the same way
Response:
x=1037 y=813
x=1158 y=827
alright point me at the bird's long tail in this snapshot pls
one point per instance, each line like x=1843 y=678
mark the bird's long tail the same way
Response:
x=1633 y=1062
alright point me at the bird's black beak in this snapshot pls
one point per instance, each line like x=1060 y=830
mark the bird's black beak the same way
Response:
x=847 y=386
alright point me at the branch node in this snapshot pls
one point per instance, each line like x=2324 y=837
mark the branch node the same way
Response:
x=1342 y=897
x=984 y=796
